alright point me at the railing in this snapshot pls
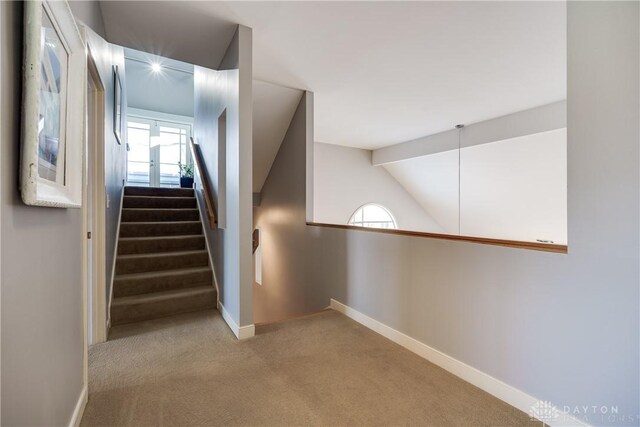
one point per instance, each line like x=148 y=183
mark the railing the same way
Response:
x=212 y=217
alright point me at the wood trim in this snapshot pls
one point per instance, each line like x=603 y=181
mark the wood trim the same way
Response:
x=212 y=217
x=545 y=247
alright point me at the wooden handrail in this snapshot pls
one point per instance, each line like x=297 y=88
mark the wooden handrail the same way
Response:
x=536 y=246
x=212 y=217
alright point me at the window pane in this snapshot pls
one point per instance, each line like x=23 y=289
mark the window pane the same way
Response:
x=374 y=216
x=139 y=144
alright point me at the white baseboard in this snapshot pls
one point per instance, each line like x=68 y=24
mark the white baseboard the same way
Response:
x=76 y=417
x=241 y=332
x=511 y=395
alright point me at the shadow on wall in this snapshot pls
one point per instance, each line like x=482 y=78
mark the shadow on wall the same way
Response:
x=303 y=267
x=291 y=285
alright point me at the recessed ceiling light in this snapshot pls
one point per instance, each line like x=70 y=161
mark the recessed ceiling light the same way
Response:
x=155 y=67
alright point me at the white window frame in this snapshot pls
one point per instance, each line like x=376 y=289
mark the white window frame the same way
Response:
x=393 y=221
x=148 y=116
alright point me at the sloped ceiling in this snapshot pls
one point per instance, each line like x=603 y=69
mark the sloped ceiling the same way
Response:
x=273 y=109
x=186 y=31
x=433 y=182
x=382 y=72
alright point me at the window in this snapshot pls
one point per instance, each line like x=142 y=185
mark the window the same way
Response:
x=373 y=216
x=156 y=148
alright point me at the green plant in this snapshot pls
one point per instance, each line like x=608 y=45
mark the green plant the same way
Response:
x=185 y=170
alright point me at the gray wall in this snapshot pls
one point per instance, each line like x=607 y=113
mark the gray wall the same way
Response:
x=284 y=237
x=563 y=328
x=214 y=91
x=89 y=13
x=42 y=334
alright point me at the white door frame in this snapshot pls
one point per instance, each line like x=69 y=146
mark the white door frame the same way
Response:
x=95 y=205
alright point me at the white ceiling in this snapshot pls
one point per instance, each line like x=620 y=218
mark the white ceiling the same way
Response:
x=382 y=72
x=169 y=91
x=273 y=109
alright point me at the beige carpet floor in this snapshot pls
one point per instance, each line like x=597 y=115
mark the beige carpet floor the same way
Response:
x=323 y=369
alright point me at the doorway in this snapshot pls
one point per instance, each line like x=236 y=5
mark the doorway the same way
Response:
x=157 y=149
x=94 y=208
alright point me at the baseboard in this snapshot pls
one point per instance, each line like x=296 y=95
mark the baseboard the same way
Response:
x=76 y=417
x=528 y=404
x=241 y=332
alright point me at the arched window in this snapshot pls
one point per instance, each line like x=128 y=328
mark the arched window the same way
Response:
x=374 y=216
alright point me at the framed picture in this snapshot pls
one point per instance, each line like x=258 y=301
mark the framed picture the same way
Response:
x=117 y=105
x=54 y=72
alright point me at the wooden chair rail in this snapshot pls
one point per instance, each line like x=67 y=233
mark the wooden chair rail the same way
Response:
x=212 y=217
x=545 y=247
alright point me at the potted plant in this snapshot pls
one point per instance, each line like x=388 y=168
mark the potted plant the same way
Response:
x=186 y=175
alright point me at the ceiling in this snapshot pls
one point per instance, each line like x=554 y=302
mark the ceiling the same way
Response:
x=382 y=72
x=273 y=109
x=171 y=91
x=168 y=91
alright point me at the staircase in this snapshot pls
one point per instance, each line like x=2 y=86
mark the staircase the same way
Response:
x=162 y=267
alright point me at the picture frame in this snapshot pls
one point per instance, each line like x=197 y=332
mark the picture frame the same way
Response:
x=54 y=79
x=117 y=105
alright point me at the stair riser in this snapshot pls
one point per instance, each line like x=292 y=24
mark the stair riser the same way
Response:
x=128 y=287
x=160 y=263
x=194 y=243
x=159 y=202
x=132 y=229
x=160 y=192
x=151 y=215
x=139 y=312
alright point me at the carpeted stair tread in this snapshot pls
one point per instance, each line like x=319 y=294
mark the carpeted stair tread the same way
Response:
x=160 y=261
x=159 y=214
x=162 y=264
x=140 y=245
x=158 y=191
x=160 y=304
x=159 y=202
x=160 y=228
x=158 y=281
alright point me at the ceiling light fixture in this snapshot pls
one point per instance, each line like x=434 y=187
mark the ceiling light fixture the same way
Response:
x=156 y=68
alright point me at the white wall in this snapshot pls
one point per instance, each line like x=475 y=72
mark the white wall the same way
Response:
x=344 y=180
x=433 y=182
x=215 y=91
x=516 y=189
x=560 y=327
